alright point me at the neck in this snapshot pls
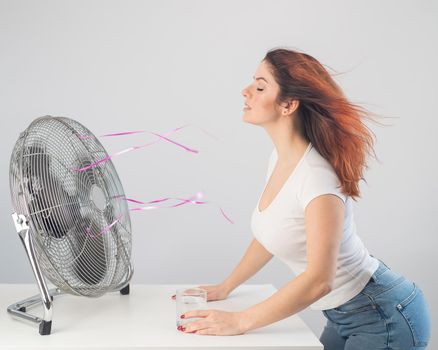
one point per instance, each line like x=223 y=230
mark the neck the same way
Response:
x=288 y=142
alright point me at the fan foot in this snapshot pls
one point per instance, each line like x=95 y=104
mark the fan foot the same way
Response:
x=125 y=290
x=45 y=327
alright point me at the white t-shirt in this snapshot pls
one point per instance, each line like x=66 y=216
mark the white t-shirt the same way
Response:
x=280 y=227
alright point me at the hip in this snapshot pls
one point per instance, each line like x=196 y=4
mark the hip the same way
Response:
x=389 y=305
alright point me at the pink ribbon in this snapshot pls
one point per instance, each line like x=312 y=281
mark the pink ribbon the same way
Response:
x=183 y=201
x=160 y=137
x=105 y=229
x=192 y=200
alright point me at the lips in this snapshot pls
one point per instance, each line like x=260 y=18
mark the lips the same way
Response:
x=247 y=106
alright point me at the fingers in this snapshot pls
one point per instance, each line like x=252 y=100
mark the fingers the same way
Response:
x=197 y=330
x=207 y=331
x=196 y=326
x=196 y=313
x=207 y=288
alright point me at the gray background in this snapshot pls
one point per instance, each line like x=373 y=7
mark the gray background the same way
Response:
x=156 y=65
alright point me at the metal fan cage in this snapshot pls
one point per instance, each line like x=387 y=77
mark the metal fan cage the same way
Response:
x=70 y=211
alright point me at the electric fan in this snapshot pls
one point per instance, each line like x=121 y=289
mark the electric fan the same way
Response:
x=70 y=214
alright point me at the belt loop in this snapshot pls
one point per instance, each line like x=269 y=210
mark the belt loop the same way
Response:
x=385 y=264
x=380 y=261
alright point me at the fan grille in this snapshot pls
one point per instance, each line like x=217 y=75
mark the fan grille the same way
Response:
x=68 y=209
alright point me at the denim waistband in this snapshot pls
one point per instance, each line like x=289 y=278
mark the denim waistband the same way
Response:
x=381 y=269
x=382 y=280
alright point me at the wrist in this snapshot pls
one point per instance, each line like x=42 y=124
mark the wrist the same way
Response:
x=245 y=321
x=227 y=287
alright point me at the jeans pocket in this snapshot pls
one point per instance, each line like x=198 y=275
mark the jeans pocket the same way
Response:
x=355 y=312
x=342 y=310
x=415 y=311
x=357 y=304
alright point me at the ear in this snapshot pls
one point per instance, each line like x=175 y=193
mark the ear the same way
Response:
x=290 y=107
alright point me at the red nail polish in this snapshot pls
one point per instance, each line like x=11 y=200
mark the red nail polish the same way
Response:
x=178 y=328
x=183 y=328
x=182 y=316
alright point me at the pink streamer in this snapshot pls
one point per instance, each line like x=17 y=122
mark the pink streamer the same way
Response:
x=105 y=229
x=159 y=138
x=139 y=147
x=183 y=201
x=145 y=131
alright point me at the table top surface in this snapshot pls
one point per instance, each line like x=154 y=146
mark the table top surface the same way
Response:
x=144 y=319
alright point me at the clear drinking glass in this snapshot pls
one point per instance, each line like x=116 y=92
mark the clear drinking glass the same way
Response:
x=188 y=299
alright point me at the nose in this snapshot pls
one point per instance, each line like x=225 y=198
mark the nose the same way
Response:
x=245 y=92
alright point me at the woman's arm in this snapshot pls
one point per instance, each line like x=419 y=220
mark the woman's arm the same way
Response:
x=255 y=257
x=324 y=219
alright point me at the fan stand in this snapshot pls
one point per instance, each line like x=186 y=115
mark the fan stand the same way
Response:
x=19 y=308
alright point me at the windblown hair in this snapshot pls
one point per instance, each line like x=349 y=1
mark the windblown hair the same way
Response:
x=325 y=117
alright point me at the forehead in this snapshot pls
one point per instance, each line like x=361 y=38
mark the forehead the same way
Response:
x=263 y=71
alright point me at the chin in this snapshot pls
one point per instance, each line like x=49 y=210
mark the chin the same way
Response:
x=249 y=120
x=246 y=119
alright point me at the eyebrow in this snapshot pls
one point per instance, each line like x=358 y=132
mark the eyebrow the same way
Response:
x=260 y=78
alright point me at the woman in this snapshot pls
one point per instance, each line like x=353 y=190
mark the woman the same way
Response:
x=304 y=216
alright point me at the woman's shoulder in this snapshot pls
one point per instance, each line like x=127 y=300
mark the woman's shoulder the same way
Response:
x=315 y=161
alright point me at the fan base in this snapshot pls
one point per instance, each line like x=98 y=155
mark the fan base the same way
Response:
x=125 y=290
x=45 y=327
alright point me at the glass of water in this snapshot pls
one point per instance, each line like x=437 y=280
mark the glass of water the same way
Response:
x=188 y=299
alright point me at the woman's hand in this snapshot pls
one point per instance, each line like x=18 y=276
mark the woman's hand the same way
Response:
x=213 y=322
x=214 y=292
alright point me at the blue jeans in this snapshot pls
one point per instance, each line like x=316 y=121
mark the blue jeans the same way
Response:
x=389 y=313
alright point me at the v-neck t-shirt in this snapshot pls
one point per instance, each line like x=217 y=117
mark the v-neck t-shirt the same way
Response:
x=280 y=227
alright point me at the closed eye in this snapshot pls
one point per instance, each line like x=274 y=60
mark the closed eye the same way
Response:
x=258 y=89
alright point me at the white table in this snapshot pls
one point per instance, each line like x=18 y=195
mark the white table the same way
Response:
x=145 y=319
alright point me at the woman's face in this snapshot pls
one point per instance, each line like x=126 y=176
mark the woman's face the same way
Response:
x=260 y=97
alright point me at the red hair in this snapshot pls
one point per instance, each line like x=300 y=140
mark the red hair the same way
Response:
x=325 y=117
